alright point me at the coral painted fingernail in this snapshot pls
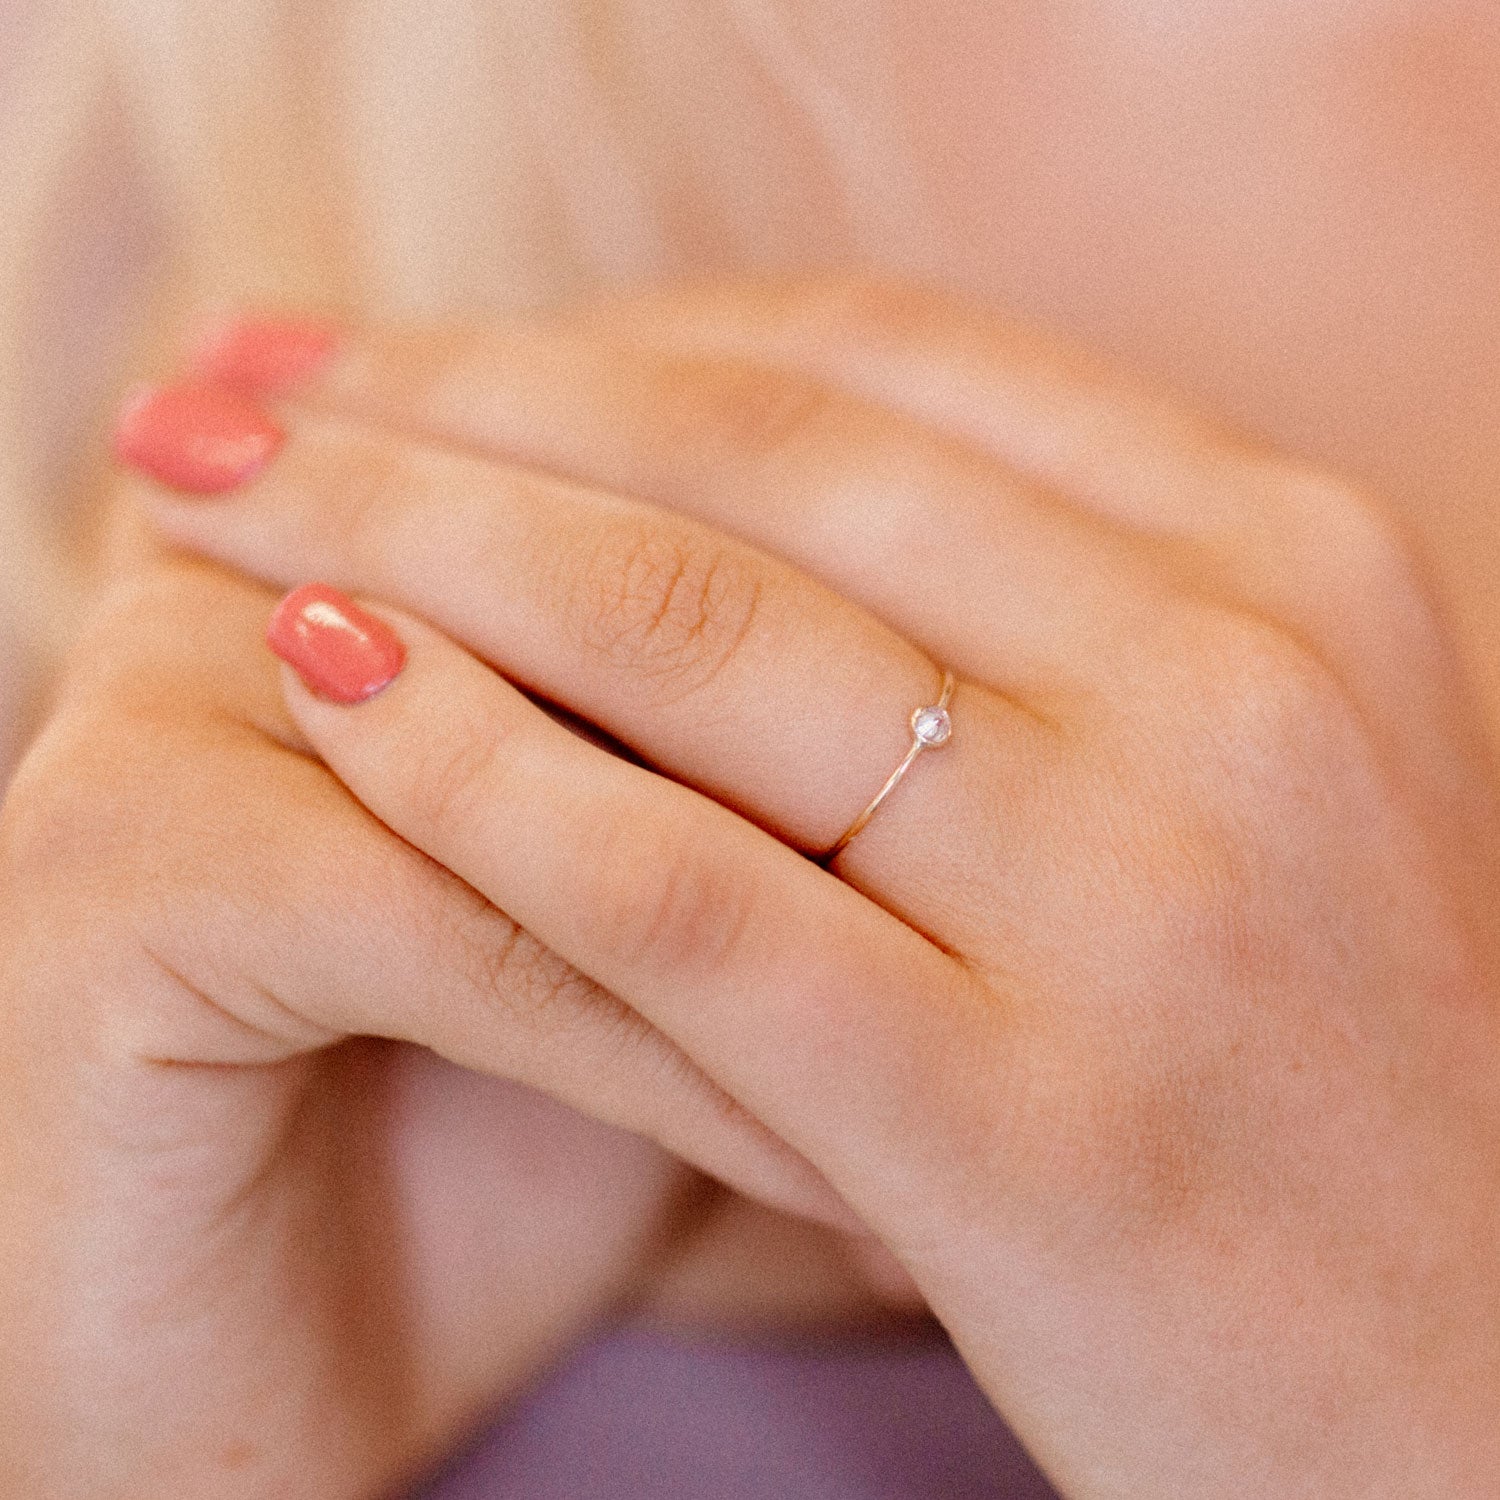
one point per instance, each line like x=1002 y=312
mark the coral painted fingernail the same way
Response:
x=194 y=437
x=342 y=652
x=265 y=356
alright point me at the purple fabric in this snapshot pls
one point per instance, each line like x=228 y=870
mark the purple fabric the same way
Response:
x=641 y=1416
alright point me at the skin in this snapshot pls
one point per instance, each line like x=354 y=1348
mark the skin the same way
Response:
x=1265 y=315
x=1127 y=1159
x=209 y=987
x=1198 y=1169
x=314 y=1251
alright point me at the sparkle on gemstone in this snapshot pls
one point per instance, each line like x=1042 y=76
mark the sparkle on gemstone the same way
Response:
x=932 y=726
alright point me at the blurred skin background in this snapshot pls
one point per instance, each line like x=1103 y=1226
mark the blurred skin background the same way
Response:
x=1287 y=209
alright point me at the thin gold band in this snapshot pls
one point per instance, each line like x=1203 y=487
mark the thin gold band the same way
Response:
x=931 y=729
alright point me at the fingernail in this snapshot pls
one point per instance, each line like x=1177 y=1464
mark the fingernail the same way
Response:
x=342 y=652
x=195 y=437
x=265 y=356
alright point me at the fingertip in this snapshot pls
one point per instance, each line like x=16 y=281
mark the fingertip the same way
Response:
x=265 y=355
x=339 y=651
x=194 y=438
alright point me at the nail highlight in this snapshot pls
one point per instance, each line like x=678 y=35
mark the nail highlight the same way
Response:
x=265 y=356
x=342 y=652
x=195 y=437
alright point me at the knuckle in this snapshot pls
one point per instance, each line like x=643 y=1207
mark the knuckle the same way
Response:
x=1268 y=759
x=128 y=770
x=668 y=608
x=169 y=649
x=515 y=976
x=132 y=857
x=744 y=413
x=451 y=780
x=90 y=873
x=73 y=812
x=1354 y=537
x=1269 y=705
x=536 y=982
x=670 y=909
x=1207 y=815
x=505 y=966
x=528 y=1005
x=132 y=638
x=540 y=998
x=868 y=304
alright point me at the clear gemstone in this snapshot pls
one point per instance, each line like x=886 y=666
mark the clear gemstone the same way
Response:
x=932 y=726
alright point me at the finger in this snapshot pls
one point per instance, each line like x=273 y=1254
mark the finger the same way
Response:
x=753 y=367
x=745 y=382
x=1320 y=556
x=1254 y=525
x=812 y=1005
x=712 y=660
x=1048 y=410
x=954 y=550
x=285 y=917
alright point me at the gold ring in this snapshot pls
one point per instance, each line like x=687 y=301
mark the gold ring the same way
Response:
x=931 y=729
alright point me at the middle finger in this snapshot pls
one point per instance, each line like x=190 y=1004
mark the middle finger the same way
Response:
x=951 y=545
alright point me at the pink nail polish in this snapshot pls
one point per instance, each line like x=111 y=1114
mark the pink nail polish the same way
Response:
x=340 y=651
x=265 y=356
x=194 y=437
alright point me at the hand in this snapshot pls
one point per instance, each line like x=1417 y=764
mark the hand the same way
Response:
x=253 y=1240
x=1152 y=1022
